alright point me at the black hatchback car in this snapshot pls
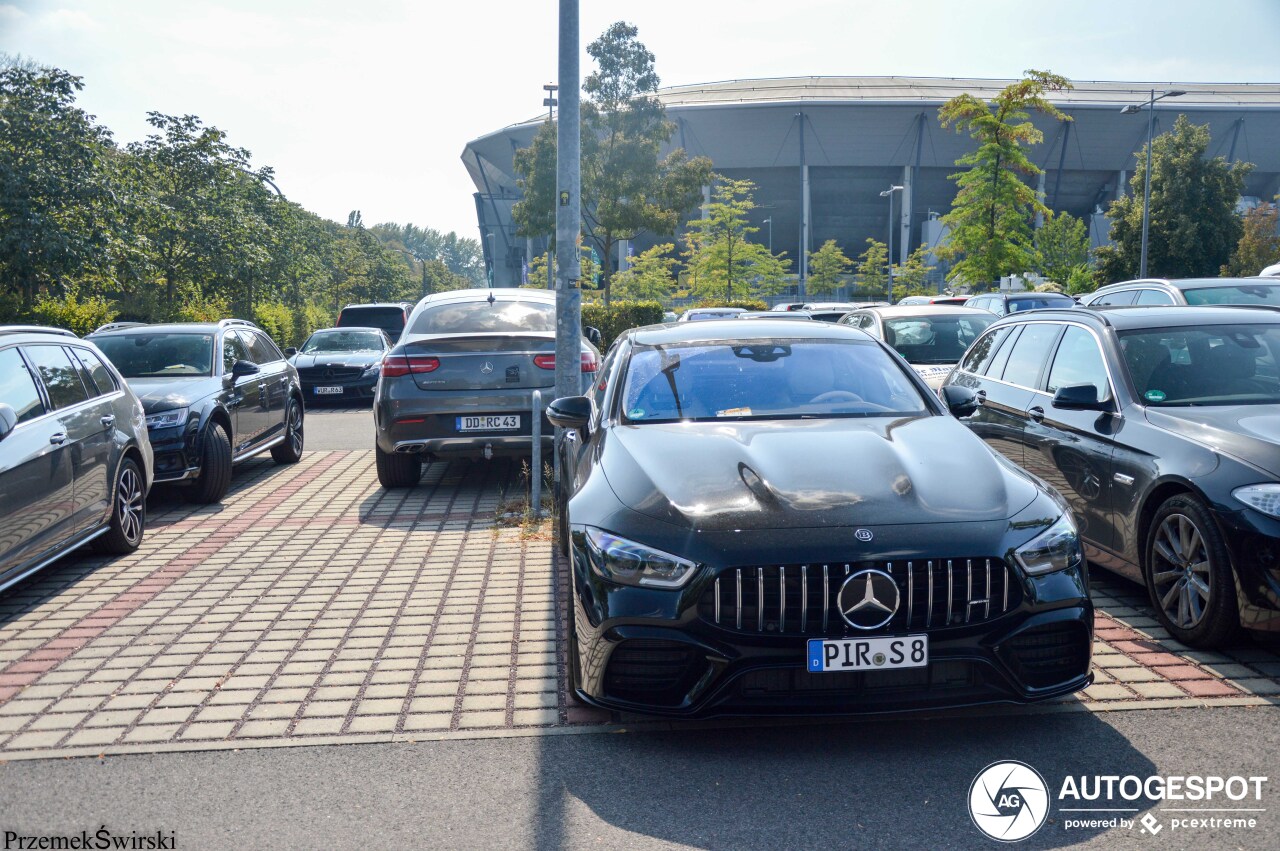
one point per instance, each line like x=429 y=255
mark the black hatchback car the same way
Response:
x=765 y=517
x=1159 y=425
x=215 y=394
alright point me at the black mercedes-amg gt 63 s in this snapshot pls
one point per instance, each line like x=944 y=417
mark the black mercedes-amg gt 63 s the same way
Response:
x=780 y=517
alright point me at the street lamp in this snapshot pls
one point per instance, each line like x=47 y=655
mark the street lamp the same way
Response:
x=550 y=103
x=769 y=222
x=493 y=257
x=888 y=193
x=1132 y=109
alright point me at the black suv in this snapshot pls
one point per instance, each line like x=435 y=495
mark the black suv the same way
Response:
x=1158 y=425
x=215 y=393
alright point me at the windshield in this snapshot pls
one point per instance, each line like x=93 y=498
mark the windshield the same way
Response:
x=154 y=355
x=480 y=317
x=343 y=341
x=766 y=379
x=1040 y=302
x=1215 y=365
x=1238 y=294
x=934 y=339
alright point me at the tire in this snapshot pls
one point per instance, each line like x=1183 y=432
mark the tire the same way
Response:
x=128 y=512
x=290 y=451
x=397 y=470
x=215 y=468
x=1189 y=575
x=571 y=647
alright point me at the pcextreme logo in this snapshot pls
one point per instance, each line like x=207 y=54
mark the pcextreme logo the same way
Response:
x=1009 y=801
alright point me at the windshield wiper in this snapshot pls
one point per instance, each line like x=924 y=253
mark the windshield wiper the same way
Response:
x=670 y=363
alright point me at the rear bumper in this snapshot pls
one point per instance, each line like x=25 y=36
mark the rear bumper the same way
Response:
x=410 y=420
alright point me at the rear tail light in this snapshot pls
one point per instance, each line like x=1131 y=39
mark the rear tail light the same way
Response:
x=394 y=366
x=589 y=362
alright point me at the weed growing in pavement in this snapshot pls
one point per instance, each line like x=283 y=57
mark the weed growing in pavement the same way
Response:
x=516 y=510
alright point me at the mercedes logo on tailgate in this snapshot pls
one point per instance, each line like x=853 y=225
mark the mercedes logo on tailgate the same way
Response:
x=486 y=369
x=868 y=599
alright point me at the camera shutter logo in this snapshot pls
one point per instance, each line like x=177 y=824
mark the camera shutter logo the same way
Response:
x=1008 y=801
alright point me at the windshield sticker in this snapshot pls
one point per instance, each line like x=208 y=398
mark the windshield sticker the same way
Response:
x=734 y=412
x=1154 y=396
x=636 y=413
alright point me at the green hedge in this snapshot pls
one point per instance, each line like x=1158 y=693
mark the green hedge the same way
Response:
x=620 y=316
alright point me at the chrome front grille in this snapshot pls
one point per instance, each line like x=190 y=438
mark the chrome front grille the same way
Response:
x=800 y=599
x=320 y=374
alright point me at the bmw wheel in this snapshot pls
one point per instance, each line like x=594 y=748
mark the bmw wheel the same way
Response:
x=1189 y=576
x=128 y=512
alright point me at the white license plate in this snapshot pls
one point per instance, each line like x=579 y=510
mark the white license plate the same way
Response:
x=867 y=654
x=328 y=391
x=508 y=422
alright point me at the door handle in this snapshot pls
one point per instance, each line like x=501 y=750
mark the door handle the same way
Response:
x=108 y=421
x=1036 y=413
x=58 y=438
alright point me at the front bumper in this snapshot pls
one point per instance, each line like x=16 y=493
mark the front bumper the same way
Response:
x=359 y=388
x=662 y=653
x=1253 y=540
x=177 y=455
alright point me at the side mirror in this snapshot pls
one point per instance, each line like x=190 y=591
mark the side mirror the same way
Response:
x=592 y=334
x=290 y=351
x=961 y=401
x=570 y=412
x=243 y=369
x=1079 y=397
x=8 y=420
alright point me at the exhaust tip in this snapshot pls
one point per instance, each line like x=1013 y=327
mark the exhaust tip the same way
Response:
x=410 y=448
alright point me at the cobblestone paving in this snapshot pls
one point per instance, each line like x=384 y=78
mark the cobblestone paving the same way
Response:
x=312 y=606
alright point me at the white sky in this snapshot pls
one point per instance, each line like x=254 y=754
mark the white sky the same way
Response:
x=368 y=105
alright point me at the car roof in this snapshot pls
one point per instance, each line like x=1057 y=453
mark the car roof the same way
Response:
x=924 y=310
x=733 y=329
x=1132 y=317
x=170 y=328
x=345 y=328
x=400 y=304
x=35 y=331
x=1193 y=283
x=774 y=314
x=498 y=293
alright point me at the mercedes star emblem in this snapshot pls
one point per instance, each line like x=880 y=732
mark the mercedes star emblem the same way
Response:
x=868 y=599
x=487 y=368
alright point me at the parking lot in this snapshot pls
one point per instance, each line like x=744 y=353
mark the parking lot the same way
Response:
x=311 y=606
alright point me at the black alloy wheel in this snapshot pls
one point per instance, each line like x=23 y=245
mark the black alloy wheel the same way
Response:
x=128 y=512
x=1189 y=576
x=290 y=450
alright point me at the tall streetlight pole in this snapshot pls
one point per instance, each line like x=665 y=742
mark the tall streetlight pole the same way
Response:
x=888 y=193
x=568 y=209
x=769 y=222
x=1146 y=183
x=550 y=103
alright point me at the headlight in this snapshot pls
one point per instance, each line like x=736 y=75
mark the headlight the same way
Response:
x=1264 y=498
x=372 y=369
x=1056 y=548
x=629 y=563
x=168 y=419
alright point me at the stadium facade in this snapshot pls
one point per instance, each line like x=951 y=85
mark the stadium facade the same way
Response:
x=821 y=150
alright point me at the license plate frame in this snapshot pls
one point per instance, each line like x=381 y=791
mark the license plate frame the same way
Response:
x=327 y=391
x=872 y=653
x=487 y=422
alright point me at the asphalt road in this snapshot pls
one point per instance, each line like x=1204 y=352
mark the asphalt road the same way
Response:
x=865 y=784
x=347 y=427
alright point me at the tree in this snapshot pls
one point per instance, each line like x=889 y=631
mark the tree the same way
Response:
x=537 y=275
x=650 y=276
x=990 y=219
x=873 y=278
x=912 y=276
x=720 y=261
x=826 y=266
x=1062 y=244
x=1193 y=222
x=461 y=256
x=1259 y=245
x=54 y=193
x=627 y=189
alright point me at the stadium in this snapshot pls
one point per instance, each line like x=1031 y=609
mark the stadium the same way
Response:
x=822 y=149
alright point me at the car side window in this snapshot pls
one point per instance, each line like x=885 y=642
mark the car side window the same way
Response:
x=980 y=354
x=17 y=387
x=261 y=349
x=1030 y=351
x=60 y=376
x=1118 y=298
x=233 y=349
x=1078 y=361
x=98 y=373
x=1153 y=297
x=600 y=383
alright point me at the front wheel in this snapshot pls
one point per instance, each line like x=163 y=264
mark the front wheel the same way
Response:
x=1189 y=577
x=290 y=450
x=397 y=470
x=128 y=512
x=215 y=467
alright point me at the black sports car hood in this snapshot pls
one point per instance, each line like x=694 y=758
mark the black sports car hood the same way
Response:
x=165 y=394
x=811 y=473
x=322 y=359
x=1248 y=432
